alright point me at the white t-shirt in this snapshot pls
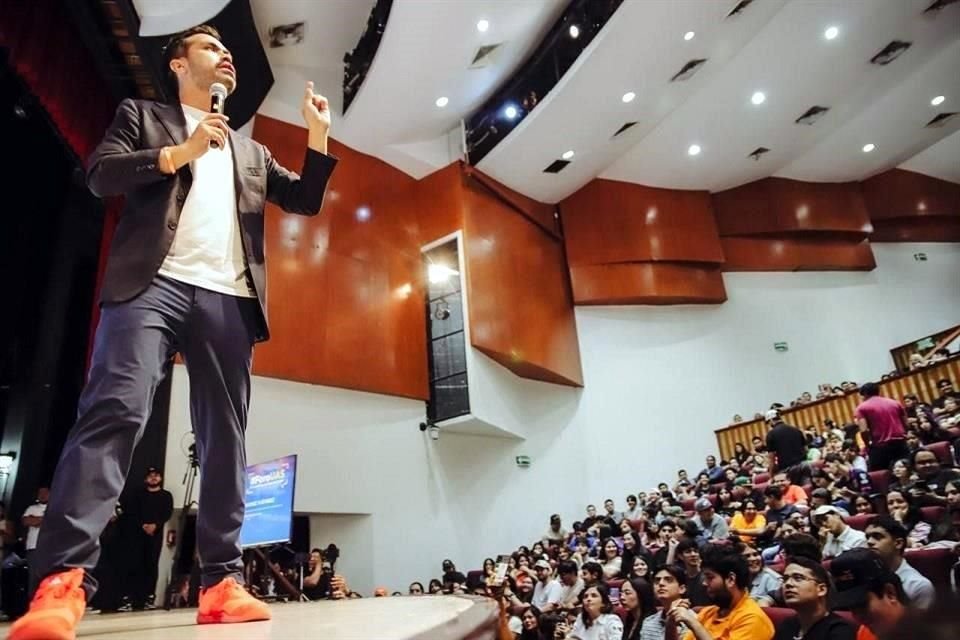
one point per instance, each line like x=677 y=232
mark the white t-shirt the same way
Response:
x=569 y=596
x=849 y=539
x=34 y=532
x=608 y=626
x=918 y=588
x=544 y=594
x=207 y=251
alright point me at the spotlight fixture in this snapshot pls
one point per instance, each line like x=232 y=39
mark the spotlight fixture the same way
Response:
x=867 y=148
x=831 y=33
x=694 y=150
x=630 y=95
x=567 y=154
x=758 y=97
x=511 y=112
x=688 y=36
x=937 y=101
x=442 y=101
x=483 y=25
x=574 y=31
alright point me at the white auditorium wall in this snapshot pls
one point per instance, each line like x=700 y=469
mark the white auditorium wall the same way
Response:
x=658 y=380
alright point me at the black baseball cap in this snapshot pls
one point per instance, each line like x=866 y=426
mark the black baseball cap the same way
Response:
x=854 y=572
x=153 y=470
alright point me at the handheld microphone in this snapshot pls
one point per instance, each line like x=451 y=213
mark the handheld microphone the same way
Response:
x=218 y=99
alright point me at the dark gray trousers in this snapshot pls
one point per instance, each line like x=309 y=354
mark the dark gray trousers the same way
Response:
x=214 y=333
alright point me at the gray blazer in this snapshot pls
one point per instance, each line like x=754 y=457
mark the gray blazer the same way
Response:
x=126 y=163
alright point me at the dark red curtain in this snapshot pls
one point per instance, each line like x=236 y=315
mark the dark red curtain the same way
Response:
x=47 y=52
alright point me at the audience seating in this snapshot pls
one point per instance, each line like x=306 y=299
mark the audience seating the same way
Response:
x=859 y=521
x=943 y=451
x=933 y=515
x=935 y=564
x=761 y=478
x=880 y=480
x=778 y=614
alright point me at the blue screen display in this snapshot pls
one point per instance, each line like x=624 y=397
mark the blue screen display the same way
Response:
x=268 y=518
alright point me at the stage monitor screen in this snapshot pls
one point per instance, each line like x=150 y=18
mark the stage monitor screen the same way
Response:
x=268 y=518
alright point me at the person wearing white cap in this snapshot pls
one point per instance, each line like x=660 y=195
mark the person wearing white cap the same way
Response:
x=840 y=536
x=547 y=593
x=711 y=525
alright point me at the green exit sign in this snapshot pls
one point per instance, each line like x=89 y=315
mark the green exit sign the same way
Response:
x=523 y=461
x=780 y=347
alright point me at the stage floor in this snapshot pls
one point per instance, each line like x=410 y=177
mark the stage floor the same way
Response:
x=396 y=618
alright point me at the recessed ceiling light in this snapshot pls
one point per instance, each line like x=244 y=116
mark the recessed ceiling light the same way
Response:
x=831 y=33
x=937 y=101
x=689 y=35
x=483 y=25
x=758 y=97
x=867 y=148
x=442 y=101
x=630 y=95
x=567 y=154
x=574 y=31
x=694 y=150
x=511 y=112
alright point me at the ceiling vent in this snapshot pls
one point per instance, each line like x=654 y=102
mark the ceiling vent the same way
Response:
x=890 y=52
x=741 y=6
x=939 y=4
x=557 y=166
x=940 y=119
x=285 y=35
x=624 y=127
x=812 y=114
x=756 y=153
x=485 y=56
x=688 y=70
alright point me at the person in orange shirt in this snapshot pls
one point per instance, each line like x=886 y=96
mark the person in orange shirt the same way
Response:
x=870 y=590
x=748 y=523
x=792 y=494
x=732 y=614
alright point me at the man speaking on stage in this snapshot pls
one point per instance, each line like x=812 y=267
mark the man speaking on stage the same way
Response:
x=185 y=274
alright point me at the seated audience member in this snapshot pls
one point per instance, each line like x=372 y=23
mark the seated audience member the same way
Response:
x=451 y=575
x=900 y=475
x=929 y=429
x=900 y=506
x=929 y=487
x=838 y=536
x=806 y=590
x=547 y=593
x=862 y=506
x=435 y=587
x=592 y=573
x=688 y=555
x=596 y=620
x=669 y=586
x=726 y=505
x=777 y=509
x=556 y=533
x=611 y=512
x=888 y=539
x=913 y=443
x=792 y=494
x=872 y=592
x=847 y=482
x=730 y=476
x=610 y=558
x=885 y=420
x=519 y=591
x=636 y=597
x=593 y=523
x=731 y=615
x=641 y=568
x=633 y=512
x=953 y=495
x=748 y=523
x=711 y=525
x=713 y=470
x=945 y=387
x=801 y=545
x=530 y=624
x=702 y=486
x=852 y=455
x=740 y=453
x=950 y=417
x=415 y=589
x=571 y=584
x=650 y=538
x=632 y=549
x=316 y=584
x=764 y=584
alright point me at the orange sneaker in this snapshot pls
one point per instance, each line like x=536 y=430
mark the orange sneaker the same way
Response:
x=227 y=602
x=55 y=610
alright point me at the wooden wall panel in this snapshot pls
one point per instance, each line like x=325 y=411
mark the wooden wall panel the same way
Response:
x=609 y=221
x=797 y=254
x=521 y=308
x=647 y=283
x=898 y=193
x=840 y=409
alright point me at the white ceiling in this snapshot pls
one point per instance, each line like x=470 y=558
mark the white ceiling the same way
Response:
x=776 y=46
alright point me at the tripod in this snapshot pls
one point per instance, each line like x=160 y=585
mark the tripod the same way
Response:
x=189 y=479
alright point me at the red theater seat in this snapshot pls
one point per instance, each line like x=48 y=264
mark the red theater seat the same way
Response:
x=934 y=564
x=687 y=504
x=637 y=525
x=942 y=449
x=933 y=515
x=778 y=615
x=760 y=478
x=880 y=480
x=760 y=488
x=859 y=521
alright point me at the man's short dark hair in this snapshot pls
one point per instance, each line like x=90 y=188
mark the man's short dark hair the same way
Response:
x=943 y=381
x=869 y=389
x=566 y=567
x=773 y=491
x=610 y=500
x=724 y=560
x=816 y=568
x=685 y=545
x=593 y=506
x=832 y=457
x=890 y=525
x=176 y=47
x=801 y=545
x=594 y=568
x=678 y=574
x=631 y=498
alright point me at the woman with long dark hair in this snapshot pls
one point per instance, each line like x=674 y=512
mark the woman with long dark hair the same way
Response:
x=436 y=587
x=636 y=596
x=900 y=505
x=610 y=558
x=530 y=624
x=740 y=453
x=596 y=620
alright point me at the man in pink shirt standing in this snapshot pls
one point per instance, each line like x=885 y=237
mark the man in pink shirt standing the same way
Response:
x=885 y=421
